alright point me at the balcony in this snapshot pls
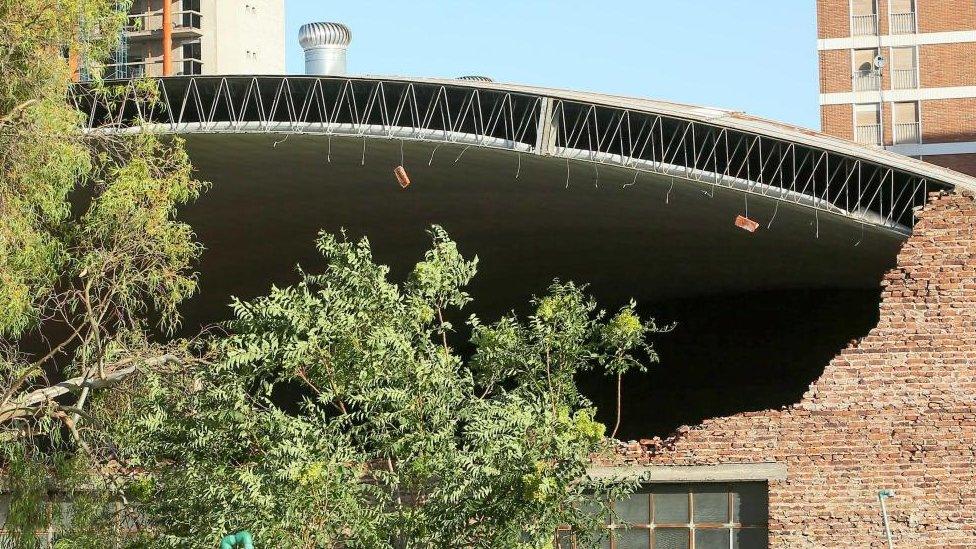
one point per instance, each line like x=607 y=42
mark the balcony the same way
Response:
x=150 y=23
x=133 y=69
x=868 y=134
x=904 y=79
x=864 y=25
x=909 y=133
x=903 y=23
x=867 y=81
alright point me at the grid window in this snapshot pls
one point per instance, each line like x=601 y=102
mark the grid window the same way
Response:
x=692 y=516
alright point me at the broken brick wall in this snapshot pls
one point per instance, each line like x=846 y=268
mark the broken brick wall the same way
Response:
x=895 y=410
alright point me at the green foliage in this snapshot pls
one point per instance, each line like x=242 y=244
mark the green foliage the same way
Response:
x=90 y=252
x=396 y=439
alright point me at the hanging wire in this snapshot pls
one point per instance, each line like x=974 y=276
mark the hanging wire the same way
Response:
x=401 y=152
x=328 y=154
x=634 y=182
x=596 y=182
x=431 y=161
x=775 y=211
x=464 y=150
x=667 y=197
x=518 y=170
x=567 y=173
x=363 y=162
x=275 y=146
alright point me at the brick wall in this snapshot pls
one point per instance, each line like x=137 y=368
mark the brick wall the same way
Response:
x=946 y=15
x=833 y=18
x=835 y=71
x=837 y=120
x=896 y=410
x=946 y=120
x=947 y=65
x=965 y=163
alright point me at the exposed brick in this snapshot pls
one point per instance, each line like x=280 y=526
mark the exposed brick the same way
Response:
x=833 y=18
x=965 y=163
x=945 y=15
x=947 y=65
x=896 y=409
x=837 y=120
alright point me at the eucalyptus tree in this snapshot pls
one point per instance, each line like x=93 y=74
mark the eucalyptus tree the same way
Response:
x=90 y=248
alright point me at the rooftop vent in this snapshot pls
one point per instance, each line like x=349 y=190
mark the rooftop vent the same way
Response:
x=475 y=78
x=325 y=46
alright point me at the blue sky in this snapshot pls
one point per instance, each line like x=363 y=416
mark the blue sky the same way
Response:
x=758 y=56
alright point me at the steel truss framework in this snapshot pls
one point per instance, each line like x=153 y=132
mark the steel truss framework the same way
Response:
x=684 y=149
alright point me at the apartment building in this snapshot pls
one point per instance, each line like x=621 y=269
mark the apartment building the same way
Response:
x=182 y=37
x=901 y=74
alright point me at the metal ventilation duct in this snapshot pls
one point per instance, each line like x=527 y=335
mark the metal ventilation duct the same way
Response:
x=325 y=46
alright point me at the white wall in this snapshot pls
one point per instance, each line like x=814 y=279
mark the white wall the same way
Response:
x=243 y=36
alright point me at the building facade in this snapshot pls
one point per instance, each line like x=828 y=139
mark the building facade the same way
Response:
x=184 y=37
x=899 y=74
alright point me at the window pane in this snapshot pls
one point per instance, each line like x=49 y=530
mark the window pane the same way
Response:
x=906 y=113
x=712 y=539
x=711 y=504
x=902 y=6
x=902 y=58
x=750 y=504
x=564 y=539
x=594 y=509
x=632 y=538
x=634 y=509
x=671 y=505
x=751 y=538
x=672 y=538
x=864 y=7
x=867 y=114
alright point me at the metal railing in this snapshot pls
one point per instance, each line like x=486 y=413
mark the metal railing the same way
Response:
x=903 y=23
x=904 y=79
x=864 y=25
x=187 y=19
x=867 y=81
x=907 y=133
x=138 y=69
x=869 y=134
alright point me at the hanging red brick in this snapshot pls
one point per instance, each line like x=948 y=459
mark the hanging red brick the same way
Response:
x=402 y=177
x=743 y=222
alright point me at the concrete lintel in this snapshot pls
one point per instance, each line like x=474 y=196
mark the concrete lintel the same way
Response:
x=728 y=472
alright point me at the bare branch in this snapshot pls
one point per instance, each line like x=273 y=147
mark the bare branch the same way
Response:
x=25 y=405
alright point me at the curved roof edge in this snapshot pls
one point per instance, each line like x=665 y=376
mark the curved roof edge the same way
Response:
x=738 y=120
x=701 y=144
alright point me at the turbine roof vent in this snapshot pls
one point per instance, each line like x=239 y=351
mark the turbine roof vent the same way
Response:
x=475 y=78
x=314 y=35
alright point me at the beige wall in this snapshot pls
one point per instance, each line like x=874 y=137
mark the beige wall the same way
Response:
x=244 y=36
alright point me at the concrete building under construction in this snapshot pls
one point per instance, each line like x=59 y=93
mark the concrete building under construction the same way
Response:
x=201 y=37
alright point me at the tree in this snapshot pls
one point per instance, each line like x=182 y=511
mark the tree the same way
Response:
x=334 y=412
x=396 y=438
x=90 y=248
